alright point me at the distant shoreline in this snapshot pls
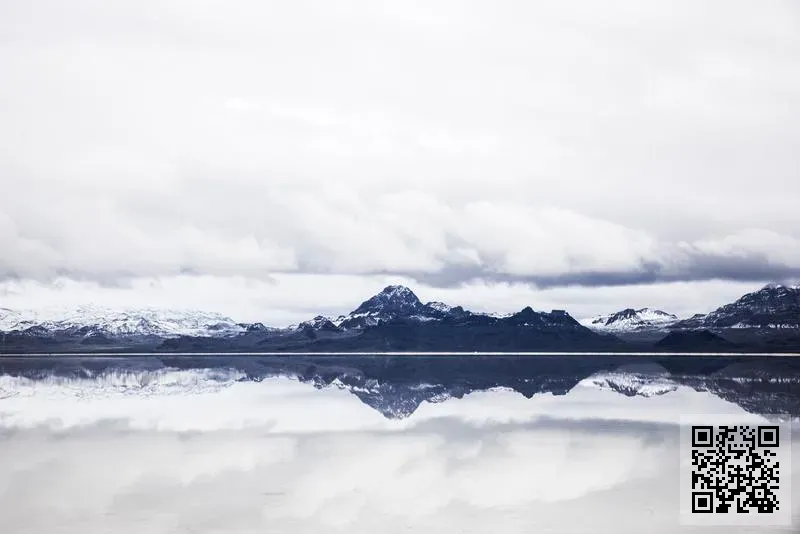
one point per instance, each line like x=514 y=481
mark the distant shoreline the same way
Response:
x=391 y=353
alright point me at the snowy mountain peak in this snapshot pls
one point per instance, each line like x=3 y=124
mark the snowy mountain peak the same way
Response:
x=650 y=314
x=772 y=286
x=392 y=300
x=627 y=313
x=631 y=319
x=124 y=322
x=439 y=306
x=397 y=290
x=319 y=322
x=775 y=288
x=772 y=306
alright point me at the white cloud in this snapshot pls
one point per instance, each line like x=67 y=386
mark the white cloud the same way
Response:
x=447 y=141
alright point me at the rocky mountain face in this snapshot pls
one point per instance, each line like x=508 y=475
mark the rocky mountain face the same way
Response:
x=394 y=302
x=396 y=320
x=774 y=306
x=398 y=304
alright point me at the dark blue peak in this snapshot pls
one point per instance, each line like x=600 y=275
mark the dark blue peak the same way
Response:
x=319 y=323
x=526 y=316
x=395 y=300
x=772 y=295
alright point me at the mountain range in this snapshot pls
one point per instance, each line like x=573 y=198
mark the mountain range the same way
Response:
x=766 y=320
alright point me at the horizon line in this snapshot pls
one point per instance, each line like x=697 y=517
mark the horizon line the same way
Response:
x=581 y=319
x=390 y=353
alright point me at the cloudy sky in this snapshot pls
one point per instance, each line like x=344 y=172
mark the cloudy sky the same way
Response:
x=274 y=159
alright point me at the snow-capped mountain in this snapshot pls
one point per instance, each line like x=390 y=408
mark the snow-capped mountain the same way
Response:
x=99 y=320
x=393 y=302
x=15 y=320
x=319 y=322
x=396 y=320
x=440 y=307
x=629 y=319
x=774 y=306
x=394 y=317
x=399 y=302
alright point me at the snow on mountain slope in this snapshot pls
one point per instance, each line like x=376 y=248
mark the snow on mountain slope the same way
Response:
x=122 y=322
x=649 y=314
x=15 y=320
x=629 y=320
x=390 y=303
x=392 y=300
x=498 y=315
x=400 y=303
x=773 y=306
x=320 y=322
x=440 y=307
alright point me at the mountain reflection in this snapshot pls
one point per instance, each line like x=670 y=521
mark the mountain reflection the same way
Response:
x=396 y=386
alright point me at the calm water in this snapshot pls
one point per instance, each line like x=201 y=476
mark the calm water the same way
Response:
x=395 y=444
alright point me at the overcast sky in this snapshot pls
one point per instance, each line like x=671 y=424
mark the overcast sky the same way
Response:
x=274 y=159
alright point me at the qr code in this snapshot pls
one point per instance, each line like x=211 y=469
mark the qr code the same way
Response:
x=737 y=469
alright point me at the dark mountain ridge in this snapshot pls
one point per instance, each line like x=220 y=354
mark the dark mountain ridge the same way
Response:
x=773 y=306
x=396 y=320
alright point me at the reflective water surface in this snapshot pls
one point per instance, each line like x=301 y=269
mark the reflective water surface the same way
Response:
x=363 y=444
